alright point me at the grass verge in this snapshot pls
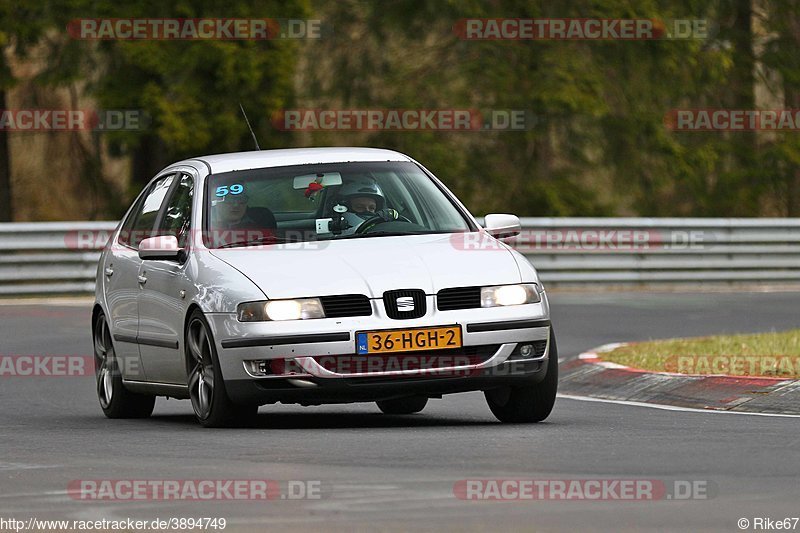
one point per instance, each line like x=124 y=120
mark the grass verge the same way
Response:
x=774 y=354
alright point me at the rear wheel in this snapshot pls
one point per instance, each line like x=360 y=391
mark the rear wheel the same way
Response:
x=403 y=406
x=210 y=401
x=529 y=403
x=115 y=400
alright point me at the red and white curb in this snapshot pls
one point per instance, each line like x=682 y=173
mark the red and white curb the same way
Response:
x=590 y=378
x=593 y=356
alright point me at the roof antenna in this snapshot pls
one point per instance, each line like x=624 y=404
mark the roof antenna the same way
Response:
x=249 y=127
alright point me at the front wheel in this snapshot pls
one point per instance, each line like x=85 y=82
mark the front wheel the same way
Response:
x=529 y=403
x=115 y=400
x=210 y=401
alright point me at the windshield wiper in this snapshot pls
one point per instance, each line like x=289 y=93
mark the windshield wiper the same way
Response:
x=386 y=234
x=253 y=242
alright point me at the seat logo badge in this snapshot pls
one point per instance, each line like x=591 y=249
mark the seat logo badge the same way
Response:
x=405 y=303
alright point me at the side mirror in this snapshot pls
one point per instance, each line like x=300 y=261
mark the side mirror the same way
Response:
x=163 y=247
x=502 y=226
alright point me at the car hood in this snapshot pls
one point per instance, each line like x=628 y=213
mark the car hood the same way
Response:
x=373 y=265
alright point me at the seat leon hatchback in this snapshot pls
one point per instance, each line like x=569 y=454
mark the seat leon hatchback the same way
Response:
x=315 y=276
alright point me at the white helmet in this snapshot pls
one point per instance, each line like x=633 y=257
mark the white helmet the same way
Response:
x=362 y=186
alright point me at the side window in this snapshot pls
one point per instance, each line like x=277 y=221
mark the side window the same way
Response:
x=145 y=219
x=127 y=225
x=178 y=216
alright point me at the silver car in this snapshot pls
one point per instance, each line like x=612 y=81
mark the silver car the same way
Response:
x=312 y=276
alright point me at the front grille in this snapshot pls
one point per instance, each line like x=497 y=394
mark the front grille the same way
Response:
x=458 y=298
x=417 y=298
x=346 y=305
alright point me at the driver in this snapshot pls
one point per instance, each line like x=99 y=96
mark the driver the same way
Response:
x=363 y=204
x=364 y=197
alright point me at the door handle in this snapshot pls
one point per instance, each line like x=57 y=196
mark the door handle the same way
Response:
x=142 y=279
x=109 y=271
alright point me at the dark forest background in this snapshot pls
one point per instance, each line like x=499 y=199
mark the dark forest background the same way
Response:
x=599 y=145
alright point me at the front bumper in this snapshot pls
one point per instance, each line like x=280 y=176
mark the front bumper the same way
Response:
x=303 y=343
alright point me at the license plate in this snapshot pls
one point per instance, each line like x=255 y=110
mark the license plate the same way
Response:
x=408 y=340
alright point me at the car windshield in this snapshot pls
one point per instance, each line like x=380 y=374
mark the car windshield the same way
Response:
x=326 y=202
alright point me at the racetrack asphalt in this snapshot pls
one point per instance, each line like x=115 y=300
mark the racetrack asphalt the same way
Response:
x=380 y=472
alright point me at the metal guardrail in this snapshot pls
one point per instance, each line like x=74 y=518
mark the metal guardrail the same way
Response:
x=50 y=257
x=662 y=250
x=61 y=257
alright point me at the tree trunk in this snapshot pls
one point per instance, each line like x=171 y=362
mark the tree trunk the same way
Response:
x=745 y=143
x=148 y=158
x=6 y=206
x=737 y=192
x=791 y=93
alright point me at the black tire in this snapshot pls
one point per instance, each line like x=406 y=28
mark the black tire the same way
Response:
x=403 y=406
x=210 y=402
x=529 y=403
x=115 y=400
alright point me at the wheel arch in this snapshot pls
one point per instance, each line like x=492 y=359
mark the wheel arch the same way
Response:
x=96 y=310
x=194 y=306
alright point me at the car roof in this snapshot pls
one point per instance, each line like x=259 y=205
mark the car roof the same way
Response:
x=295 y=156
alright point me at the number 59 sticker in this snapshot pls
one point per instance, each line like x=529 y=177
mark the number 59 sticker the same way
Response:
x=224 y=190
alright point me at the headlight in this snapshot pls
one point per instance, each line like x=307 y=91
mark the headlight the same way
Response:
x=303 y=309
x=503 y=295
